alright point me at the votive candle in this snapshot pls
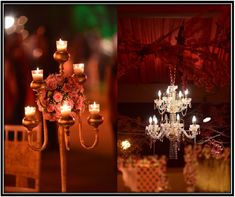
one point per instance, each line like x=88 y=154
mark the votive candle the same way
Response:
x=78 y=68
x=37 y=74
x=94 y=108
x=61 y=45
x=29 y=111
x=65 y=109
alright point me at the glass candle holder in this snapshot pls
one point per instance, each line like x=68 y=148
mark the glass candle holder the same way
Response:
x=78 y=68
x=29 y=111
x=37 y=74
x=94 y=108
x=61 y=45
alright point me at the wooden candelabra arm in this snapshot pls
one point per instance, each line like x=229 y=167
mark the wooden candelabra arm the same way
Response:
x=82 y=141
x=45 y=137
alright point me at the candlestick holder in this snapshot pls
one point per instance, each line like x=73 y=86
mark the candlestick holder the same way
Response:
x=65 y=120
x=30 y=123
x=37 y=85
x=95 y=120
x=61 y=57
x=81 y=77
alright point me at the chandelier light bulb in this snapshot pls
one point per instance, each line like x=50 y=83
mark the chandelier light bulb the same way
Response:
x=180 y=94
x=186 y=92
x=194 y=119
x=168 y=91
x=159 y=94
x=155 y=119
x=150 y=120
x=178 y=117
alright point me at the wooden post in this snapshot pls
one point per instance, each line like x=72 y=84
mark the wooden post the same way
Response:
x=62 y=159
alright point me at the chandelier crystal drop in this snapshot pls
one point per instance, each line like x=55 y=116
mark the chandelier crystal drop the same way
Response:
x=172 y=106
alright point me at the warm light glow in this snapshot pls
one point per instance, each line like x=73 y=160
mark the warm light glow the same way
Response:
x=154 y=119
x=125 y=144
x=178 y=117
x=150 y=120
x=168 y=91
x=159 y=94
x=9 y=22
x=37 y=74
x=207 y=119
x=78 y=68
x=94 y=108
x=61 y=45
x=29 y=111
x=186 y=92
x=180 y=94
x=65 y=109
x=194 y=119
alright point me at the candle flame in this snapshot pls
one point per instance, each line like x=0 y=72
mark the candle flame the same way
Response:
x=150 y=120
x=159 y=93
x=155 y=119
x=178 y=117
x=194 y=119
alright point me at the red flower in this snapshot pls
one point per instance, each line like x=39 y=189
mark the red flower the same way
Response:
x=57 y=96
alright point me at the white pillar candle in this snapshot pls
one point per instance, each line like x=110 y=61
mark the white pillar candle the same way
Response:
x=61 y=45
x=29 y=111
x=37 y=74
x=78 y=68
x=94 y=108
x=65 y=109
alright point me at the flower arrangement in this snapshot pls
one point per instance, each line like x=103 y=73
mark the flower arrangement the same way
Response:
x=60 y=89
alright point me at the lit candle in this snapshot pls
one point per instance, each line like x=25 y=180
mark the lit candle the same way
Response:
x=186 y=92
x=61 y=45
x=94 y=108
x=159 y=94
x=167 y=91
x=37 y=74
x=29 y=111
x=180 y=94
x=150 y=120
x=194 y=119
x=78 y=68
x=65 y=109
x=178 y=117
x=154 y=119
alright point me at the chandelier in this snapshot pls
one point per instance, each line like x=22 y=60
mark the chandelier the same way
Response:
x=172 y=107
x=60 y=98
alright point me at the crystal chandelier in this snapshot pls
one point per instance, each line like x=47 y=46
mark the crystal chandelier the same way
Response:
x=170 y=105
x=60 y=98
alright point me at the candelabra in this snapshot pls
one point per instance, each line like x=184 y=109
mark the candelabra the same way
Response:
x=61 y=99
x=172 y=104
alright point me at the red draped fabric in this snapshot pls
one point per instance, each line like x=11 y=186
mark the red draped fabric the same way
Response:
x=147 y=45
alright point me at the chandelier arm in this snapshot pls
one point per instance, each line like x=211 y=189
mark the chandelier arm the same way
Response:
x=45 y=137
x=187 y=135
x=160 y=134
x=82 y=141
